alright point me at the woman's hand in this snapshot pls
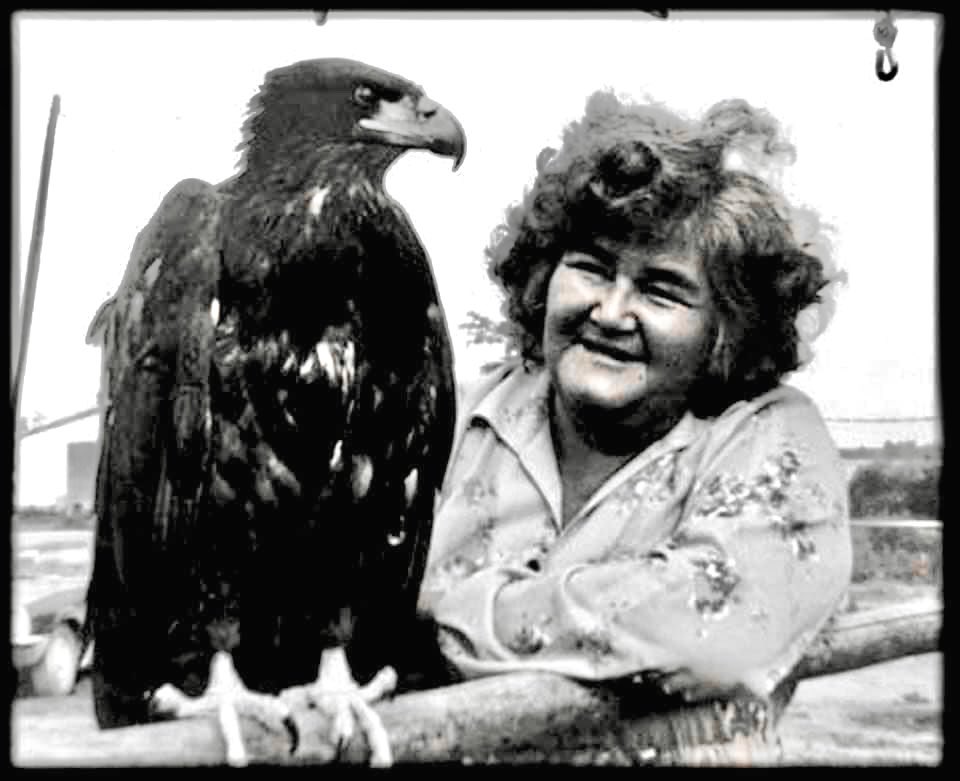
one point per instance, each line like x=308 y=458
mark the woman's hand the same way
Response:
x=682 y=683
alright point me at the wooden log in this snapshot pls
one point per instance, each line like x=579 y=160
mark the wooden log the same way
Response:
x=867 y=637
x=533 y=716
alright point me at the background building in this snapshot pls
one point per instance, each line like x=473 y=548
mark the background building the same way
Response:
x=81 y=474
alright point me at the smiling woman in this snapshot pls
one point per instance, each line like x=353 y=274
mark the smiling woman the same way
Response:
x=642 y=496
x=614 y=376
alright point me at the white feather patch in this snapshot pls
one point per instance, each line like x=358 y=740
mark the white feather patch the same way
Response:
x=306 y=368
x=317 y=197
x=339 y=363
x=336 y=460
x=361 y=476
x=152 y=271
x=324 y=353
x=349 y=368
x=410 y=486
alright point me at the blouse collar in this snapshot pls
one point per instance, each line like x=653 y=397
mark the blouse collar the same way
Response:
x=517 y=410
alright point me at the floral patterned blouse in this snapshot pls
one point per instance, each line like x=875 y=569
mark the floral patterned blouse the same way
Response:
x=721 y=549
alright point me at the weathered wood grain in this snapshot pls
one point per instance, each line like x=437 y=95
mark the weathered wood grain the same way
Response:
x=533 y=716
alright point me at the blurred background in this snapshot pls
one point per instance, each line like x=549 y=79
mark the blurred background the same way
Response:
x=149 y=99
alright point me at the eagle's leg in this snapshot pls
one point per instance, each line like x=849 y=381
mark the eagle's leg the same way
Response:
x=226 y=696
x=336 y=691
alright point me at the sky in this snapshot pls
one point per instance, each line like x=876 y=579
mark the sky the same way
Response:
x=147 y=100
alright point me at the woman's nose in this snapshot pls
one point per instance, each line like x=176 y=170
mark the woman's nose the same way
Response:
x=615 y=307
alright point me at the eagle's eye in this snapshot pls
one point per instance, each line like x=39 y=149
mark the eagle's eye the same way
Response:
x=364 y=95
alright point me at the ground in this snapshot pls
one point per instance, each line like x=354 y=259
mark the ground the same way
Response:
x=884 y=714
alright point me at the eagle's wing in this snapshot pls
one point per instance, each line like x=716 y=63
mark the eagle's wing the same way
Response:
x=430 y=439
x=421 y=416
x=158 y=337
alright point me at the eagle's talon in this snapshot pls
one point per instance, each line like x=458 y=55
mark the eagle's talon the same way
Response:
x=377 y=738
x=229 y=722
x=225 y=696
x=166 y=700
x=342 y=720
x=381 y=686
x=349 y=705
x=351 y=713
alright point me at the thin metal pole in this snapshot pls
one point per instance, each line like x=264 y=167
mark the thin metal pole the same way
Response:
x=29 y=294
x=40 y=428
x=33 y=260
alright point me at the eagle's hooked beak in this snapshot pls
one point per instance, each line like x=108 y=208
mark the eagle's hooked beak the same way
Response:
x=423 y=124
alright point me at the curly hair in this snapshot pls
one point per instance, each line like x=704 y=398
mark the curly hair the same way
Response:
x=642 y=174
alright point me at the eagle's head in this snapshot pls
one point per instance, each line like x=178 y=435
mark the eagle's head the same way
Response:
x=346 y=104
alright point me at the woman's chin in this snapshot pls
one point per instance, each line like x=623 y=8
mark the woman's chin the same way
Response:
x=599 y=381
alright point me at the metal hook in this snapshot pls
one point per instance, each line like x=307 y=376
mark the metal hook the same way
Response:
x=894 y=67
x=885 y=33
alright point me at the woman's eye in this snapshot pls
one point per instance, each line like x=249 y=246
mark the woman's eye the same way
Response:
x=364 y=95
x=587 y=265
x=663 y=295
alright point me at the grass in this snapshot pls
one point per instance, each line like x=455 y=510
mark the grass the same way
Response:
x=905 y=555
x=49 y=519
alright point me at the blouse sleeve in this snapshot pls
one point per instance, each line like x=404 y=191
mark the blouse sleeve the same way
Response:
x=759 y=559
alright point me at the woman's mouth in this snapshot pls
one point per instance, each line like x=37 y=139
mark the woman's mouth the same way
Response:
x=618 y=351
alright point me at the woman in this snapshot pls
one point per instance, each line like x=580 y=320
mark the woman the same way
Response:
x=640 y=493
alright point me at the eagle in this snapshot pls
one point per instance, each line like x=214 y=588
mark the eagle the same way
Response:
x=281 y=410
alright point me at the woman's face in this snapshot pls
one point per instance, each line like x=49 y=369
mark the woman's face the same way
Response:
x=628 y=330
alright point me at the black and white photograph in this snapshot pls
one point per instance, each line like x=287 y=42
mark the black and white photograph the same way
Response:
x=475 y=388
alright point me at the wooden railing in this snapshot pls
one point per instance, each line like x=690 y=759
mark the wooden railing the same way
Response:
x=520 y=716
